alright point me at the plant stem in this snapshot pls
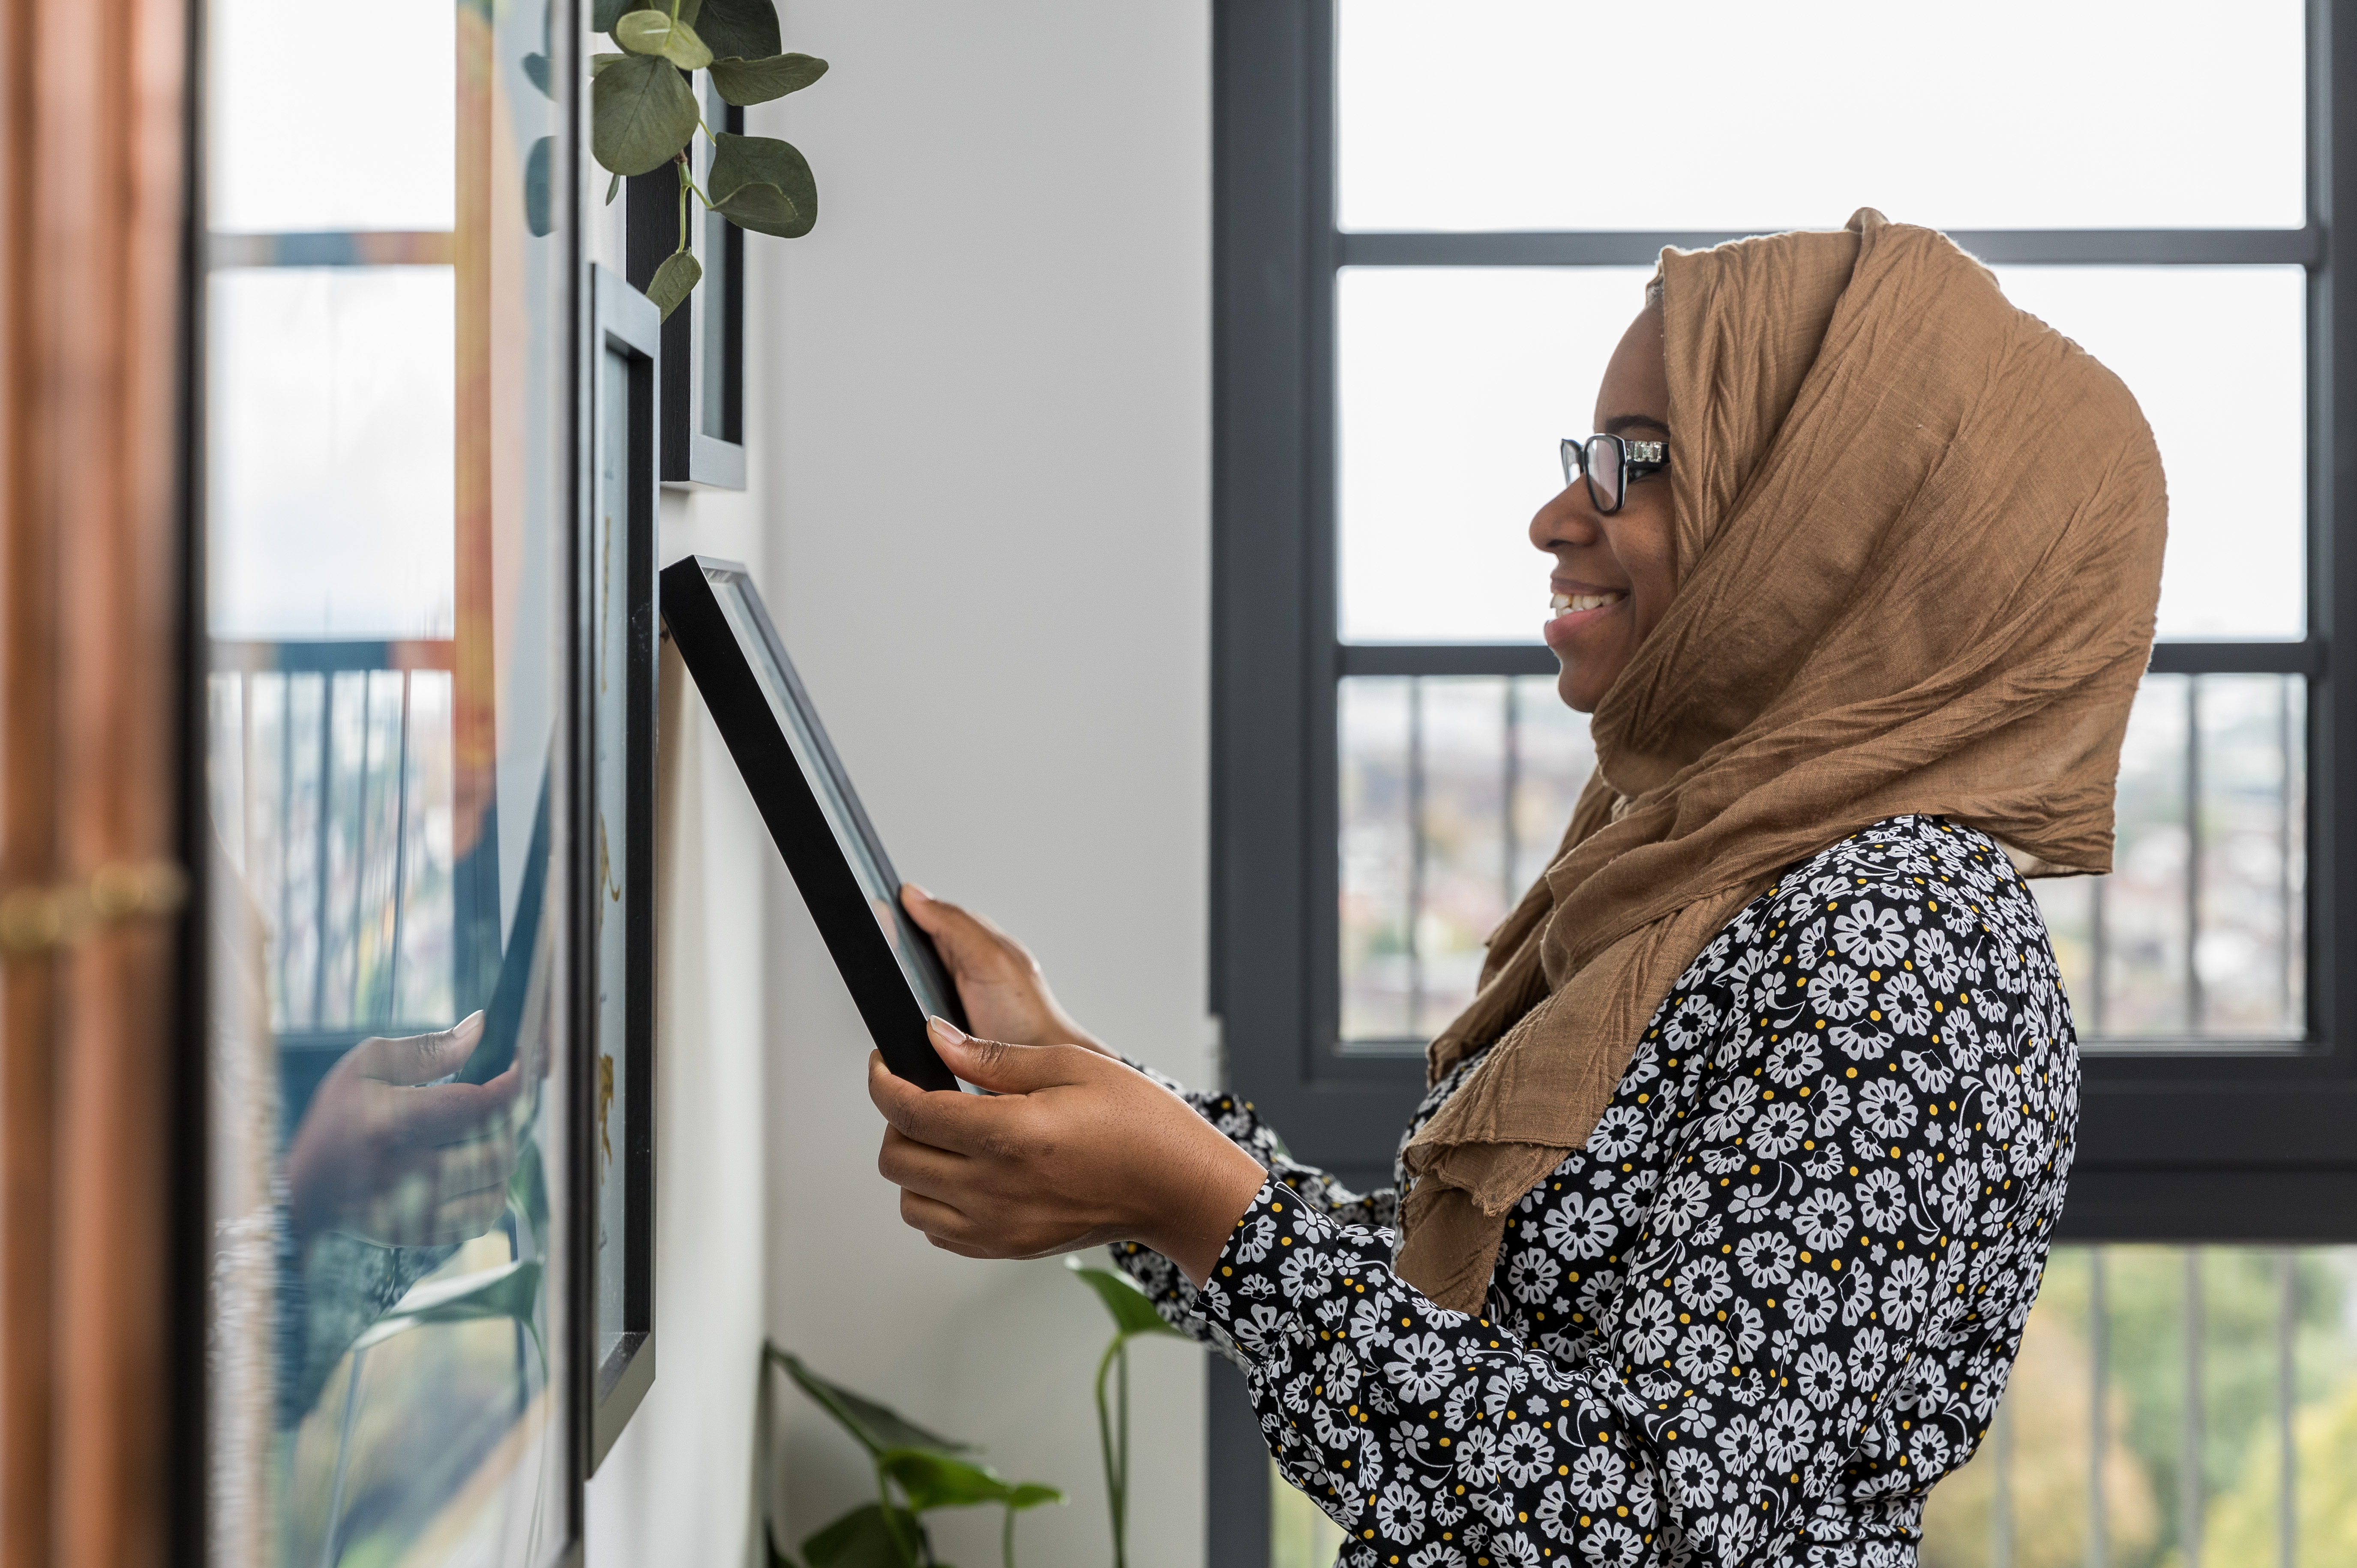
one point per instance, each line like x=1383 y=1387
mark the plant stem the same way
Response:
x=1113 y=1478
x=1121 y=1437
x=1006 y=1539
x=892 y=1520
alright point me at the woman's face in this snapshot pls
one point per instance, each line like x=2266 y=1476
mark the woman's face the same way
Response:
x=1613 y=575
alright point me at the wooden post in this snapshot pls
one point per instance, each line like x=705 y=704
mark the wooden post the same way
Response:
x=92 y=553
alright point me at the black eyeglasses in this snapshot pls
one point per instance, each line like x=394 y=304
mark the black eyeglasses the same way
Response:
x=1609 y=464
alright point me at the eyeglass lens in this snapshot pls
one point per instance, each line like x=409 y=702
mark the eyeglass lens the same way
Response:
x=1604 y=472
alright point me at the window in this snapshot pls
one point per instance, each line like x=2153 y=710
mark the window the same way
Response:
x=1428 y=236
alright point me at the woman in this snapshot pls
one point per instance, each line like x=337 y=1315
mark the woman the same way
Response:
x=1733 y=1186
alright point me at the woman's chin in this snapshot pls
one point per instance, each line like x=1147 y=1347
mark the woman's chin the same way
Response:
x=1576 y=694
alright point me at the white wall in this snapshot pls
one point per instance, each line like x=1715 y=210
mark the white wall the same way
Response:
x=988 y=401
x=978 y=416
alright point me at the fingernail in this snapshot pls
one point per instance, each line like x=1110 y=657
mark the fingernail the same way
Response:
x=919 y=889
x=471 y=1021
x=945 y=1032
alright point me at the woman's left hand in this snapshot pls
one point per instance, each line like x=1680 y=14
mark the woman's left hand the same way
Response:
x=1073 y=1149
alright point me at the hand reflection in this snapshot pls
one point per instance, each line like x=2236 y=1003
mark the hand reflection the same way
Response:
x=386 y=1153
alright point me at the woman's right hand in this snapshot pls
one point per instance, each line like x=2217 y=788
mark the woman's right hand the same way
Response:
x=1005 y=997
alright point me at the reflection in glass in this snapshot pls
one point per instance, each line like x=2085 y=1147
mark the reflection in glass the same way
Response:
x=384 y=448
x=2199 y=933
x=2012 y=114
x=2218 y=359
x=1455 y=387
x=1456 y=792
x=331 y=117
x=330 y=395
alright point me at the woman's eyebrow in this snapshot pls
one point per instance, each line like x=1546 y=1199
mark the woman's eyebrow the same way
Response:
x=1619 y=423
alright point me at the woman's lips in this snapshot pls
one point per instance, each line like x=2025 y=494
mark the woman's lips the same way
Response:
x=1573 y=611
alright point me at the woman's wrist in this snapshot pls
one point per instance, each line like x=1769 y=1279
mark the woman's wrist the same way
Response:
x=1195 y=1227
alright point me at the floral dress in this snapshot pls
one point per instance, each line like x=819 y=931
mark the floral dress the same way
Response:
x=1771 y=1302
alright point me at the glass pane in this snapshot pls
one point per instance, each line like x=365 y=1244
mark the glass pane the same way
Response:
x=331 y=396
x=1378 y=852
x=2029 y=115
x=2217 y=356
x=333 y=117
x=1457 y=386
x=386 y=452
x=1456 y=790
x=2199 y=933
x=2208 y=1365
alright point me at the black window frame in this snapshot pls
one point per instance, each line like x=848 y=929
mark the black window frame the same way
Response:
x=2182 y=1146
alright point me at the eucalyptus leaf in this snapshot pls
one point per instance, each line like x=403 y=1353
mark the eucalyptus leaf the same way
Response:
x=640 y=114
x=743 y=166
x=1030 y=1495
x=740 y=29
x=744 y=81
x=878 y=1428
x=679 y=273
x=604 y=14
x=657 y=33
x=864 y=1538
x=598 y=62
x=613 y=189
x=1131 y=1312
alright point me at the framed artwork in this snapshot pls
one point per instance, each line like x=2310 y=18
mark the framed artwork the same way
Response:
x=731 y=646
x=613 y=861
x=702 y=381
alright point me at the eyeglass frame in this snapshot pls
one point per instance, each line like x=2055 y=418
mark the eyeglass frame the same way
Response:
x=1639 y=460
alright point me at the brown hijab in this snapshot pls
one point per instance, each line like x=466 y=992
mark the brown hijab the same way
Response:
x=1918 y=540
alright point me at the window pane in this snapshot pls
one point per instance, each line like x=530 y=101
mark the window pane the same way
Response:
x=1455 y=387
x=334 y=117
x=2199 y=932
x=2203 y=1361
x=331 y=408
x=2217 y=358
x=1456 y=790
x=1718 y=114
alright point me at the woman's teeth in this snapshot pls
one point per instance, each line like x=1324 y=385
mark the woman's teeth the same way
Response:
x=1560 y=603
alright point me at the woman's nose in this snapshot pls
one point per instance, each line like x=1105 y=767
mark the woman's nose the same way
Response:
x=1566 y=522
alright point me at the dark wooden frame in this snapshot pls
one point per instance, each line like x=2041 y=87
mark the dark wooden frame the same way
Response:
x=2189 y=1145
x=624 y=326
x=690 y=456
x=888 y=1000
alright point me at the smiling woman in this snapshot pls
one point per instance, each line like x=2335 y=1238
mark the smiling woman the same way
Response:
x=1714 y=1235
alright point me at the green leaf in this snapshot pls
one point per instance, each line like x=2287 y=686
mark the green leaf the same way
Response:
x=604 y=14
x=763 y=184
x=613 y=188
x=640 y=114
x=741 y=29
x=598 y=62
x=655 y=32
x=539 y=221
x=672 y=282
x=933 y=1480
x=743 y=81
x=862 y=1538
x=1131 y=1312
x=1030 y=1495
x=878 y=1428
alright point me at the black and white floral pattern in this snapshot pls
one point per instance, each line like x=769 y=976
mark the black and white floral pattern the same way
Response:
x=1771 y=1302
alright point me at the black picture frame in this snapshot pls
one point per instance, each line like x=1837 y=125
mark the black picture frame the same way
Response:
x=702 y=378
x=731 y=646
x=612 y=856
